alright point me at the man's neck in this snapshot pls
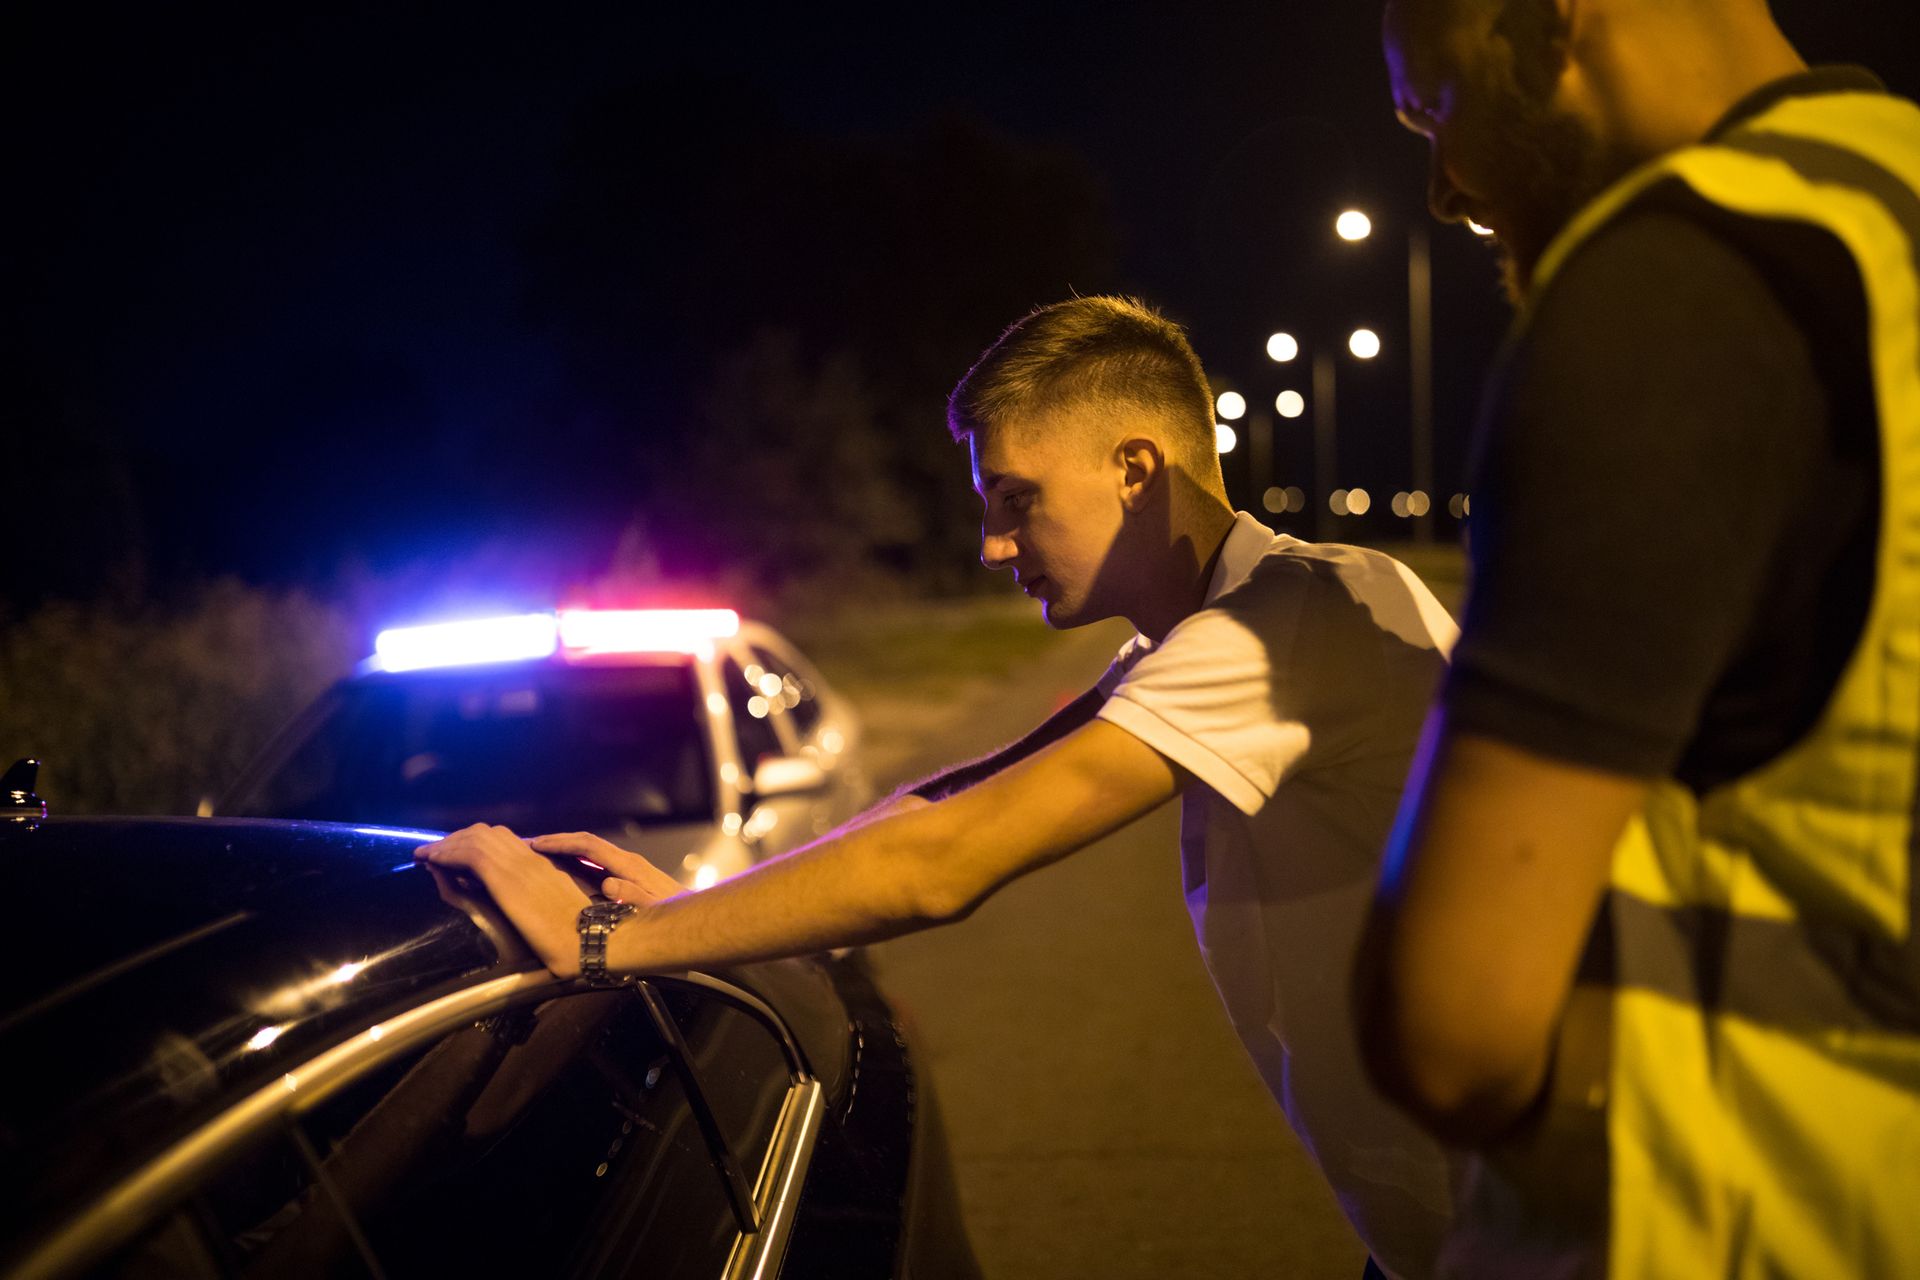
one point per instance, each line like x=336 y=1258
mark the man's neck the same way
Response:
x=1194 y=556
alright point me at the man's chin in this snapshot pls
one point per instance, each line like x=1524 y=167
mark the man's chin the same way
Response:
x=1060 y=617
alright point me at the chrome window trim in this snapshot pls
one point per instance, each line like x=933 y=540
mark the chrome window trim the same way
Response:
x=114 y=1217
x=758 y=1256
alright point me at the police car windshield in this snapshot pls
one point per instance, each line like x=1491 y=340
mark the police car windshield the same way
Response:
x=533 y=746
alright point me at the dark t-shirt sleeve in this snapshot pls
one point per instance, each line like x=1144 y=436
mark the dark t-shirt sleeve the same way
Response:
x=1645 y=448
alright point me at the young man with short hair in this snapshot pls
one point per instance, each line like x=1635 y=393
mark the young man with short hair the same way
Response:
x=1276 y=686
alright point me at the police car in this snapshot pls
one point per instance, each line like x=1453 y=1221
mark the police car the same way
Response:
x=702 y=741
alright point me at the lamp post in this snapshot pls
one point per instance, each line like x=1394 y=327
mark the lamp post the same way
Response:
x=1284 y=348
x=1354 y=226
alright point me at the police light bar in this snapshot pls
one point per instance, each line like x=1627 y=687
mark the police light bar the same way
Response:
x=468 y=643
x=576 y=634
x=589 y=633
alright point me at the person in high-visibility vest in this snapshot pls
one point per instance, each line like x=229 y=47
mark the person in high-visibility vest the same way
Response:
x=1645 y=937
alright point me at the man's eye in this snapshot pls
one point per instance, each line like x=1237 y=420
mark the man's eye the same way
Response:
x=1020 y=500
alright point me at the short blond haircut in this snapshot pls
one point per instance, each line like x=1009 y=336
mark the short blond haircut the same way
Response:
x=1110 y=350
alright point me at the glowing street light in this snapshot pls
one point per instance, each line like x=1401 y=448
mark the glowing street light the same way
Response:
x=1231 y=405
x=1290 y=404
x=1365 y=344
x=1224 y=437
x=1282 y=348
x=1353 y=226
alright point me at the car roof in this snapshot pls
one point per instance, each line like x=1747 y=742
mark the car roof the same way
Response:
x=156 y=968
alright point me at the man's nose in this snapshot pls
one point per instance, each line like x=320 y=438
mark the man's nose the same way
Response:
x=996 y=549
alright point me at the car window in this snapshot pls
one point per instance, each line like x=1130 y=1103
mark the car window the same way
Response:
x=740 y=1066
x=534 y=748
x=556 y=1140
x=753 y=714
x=795 y=692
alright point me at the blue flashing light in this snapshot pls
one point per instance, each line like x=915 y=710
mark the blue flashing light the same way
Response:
x=471 y=643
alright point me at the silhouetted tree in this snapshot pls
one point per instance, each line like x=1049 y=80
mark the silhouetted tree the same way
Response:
x=690 y=220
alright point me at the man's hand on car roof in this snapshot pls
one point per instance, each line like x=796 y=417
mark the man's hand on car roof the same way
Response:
x=629 y=877
x=539 y=898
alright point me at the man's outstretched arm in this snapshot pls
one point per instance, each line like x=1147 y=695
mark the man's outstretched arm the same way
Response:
x=1489 y=889
x=891 y=876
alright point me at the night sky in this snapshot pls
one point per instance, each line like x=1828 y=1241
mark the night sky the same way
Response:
x=289 y=290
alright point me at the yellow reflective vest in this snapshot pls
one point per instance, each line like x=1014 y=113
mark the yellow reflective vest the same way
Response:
x=1737 y=1090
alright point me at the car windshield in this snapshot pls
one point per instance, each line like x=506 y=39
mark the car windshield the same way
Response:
x=532 y=747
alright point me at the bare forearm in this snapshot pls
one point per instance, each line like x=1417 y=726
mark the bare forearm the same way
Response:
x=866 y=885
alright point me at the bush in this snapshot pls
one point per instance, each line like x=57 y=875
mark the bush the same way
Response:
x=146 y=709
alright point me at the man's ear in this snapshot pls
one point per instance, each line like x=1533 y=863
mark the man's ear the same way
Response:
x=1538 y=33
x=1142 y=467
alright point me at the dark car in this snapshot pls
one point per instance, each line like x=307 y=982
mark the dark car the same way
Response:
x=285 y=1049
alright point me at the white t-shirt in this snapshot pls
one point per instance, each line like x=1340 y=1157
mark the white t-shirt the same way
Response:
x=1295 y=696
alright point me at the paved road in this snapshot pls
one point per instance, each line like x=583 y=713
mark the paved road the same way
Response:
x=1103 y=1119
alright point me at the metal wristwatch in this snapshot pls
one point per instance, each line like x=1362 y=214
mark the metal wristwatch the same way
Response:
x=597 y=921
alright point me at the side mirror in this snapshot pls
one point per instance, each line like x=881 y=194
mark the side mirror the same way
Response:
x=16 y=791
x=787 y=776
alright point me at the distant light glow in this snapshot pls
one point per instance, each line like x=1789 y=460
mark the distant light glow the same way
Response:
x=1282 y=348
x=1399 y=505
x=770 y=684
x=1224 y=437
x=1232 y=405
x=1296 y=498
x=1418 y=503
x=1290 y=404
x=1365 y=344
x=1274 y=500
x=731 y=824
x=265 y=1036
x=472 y=642
x=833 y=741
x=1479 y=230
x=758 y=706
x=729 y=773
x=347 y=972
x=706 y=877
x=717 y=704
x=1337 y=502
x=586 y=633
x=1353 y=225
x=1358 y=502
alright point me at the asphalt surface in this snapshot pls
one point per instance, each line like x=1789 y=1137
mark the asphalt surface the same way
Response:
x=1103 y=1119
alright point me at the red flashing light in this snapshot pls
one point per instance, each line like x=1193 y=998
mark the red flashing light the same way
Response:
x=589 y=633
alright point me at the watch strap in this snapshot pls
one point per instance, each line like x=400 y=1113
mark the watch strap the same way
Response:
x=597 y=921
